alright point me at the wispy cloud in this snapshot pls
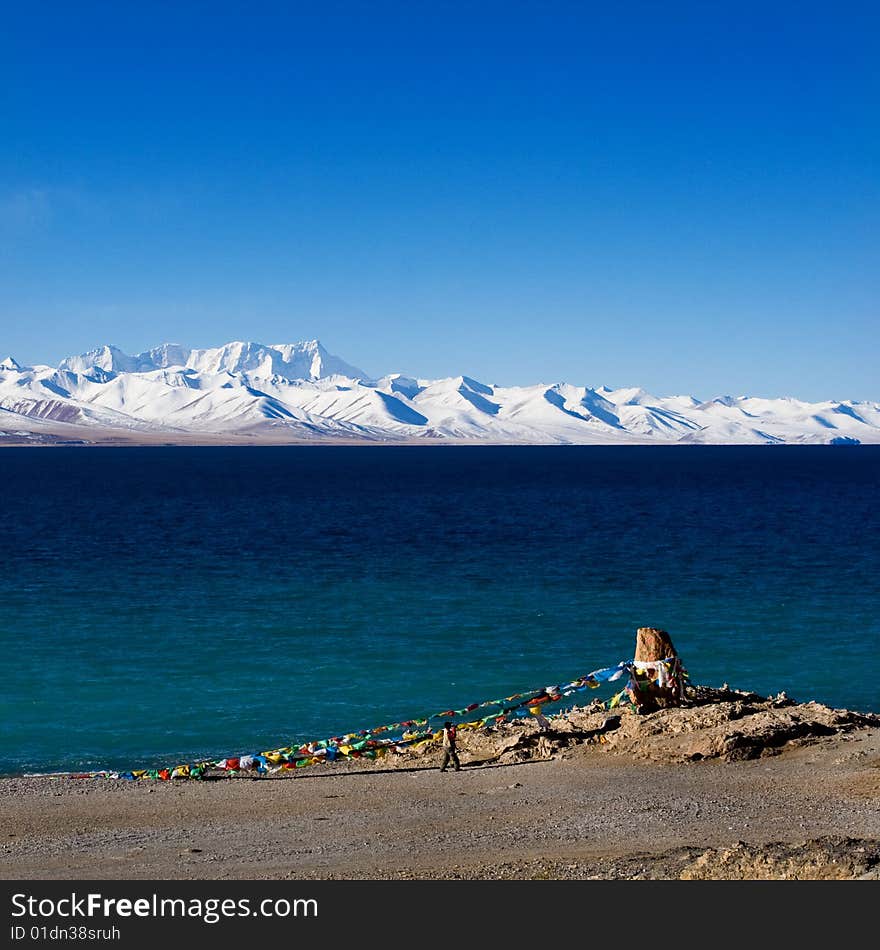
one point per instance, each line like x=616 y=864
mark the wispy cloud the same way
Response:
x=35 y=208
x=25 y=209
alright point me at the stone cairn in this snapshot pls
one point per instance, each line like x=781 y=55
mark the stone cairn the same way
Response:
x=646 y=693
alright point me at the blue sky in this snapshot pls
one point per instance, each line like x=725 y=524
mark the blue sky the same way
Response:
x=683 y=197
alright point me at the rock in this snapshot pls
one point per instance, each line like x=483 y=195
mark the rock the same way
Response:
x=827 y=858
x=722 y=724
x=652 y=645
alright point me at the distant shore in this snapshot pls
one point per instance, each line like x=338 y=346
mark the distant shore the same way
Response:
x=737 y=787
x=90 y=438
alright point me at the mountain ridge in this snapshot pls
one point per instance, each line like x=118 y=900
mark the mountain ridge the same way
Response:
x=293 y=391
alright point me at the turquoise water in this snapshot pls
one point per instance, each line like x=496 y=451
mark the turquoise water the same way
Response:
x=162 y=604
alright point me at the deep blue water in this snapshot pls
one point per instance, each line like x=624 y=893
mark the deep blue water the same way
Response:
x=162 y=604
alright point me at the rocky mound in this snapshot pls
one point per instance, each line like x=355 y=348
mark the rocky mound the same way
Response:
x=828 y=858
x=724 y=724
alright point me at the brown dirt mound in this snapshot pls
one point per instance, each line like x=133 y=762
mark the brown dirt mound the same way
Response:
x=723 y=724
x=829 y=858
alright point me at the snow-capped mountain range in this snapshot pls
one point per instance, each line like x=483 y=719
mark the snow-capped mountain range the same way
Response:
x=299 y=391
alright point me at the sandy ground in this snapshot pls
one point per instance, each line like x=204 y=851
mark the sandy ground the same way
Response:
x=810 y=809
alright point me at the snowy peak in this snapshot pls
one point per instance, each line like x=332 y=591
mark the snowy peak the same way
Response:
x=163 y=357
x=631 y=396
x=307 y=360
x=293 y=356
x=294 y=391
x=108 y=358
x=398 y=383
x=111 y=359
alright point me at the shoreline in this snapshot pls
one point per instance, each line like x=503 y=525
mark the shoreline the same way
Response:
x=738 y=786
x=78 y=436
x=245 y=442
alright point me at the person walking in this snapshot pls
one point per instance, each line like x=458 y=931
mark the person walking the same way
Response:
x=449 y=751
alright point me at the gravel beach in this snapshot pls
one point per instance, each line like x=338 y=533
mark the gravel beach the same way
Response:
x=739 y=788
